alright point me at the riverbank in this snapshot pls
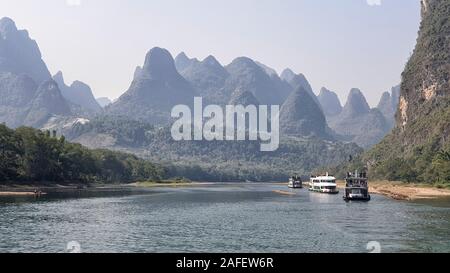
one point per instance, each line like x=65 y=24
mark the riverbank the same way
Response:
x=404 y=191
x=166 y=183
x=19 y=194
x=394 y=190
x=409 y=192
x=30 y=189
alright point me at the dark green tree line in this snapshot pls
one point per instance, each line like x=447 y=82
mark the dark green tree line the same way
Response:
x=27 y=154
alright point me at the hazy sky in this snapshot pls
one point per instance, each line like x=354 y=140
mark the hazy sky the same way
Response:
x=339 y=44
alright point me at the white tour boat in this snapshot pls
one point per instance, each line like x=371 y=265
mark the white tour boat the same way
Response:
x=323 y=184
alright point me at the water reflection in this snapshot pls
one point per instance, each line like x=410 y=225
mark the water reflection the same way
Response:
x=219 y=218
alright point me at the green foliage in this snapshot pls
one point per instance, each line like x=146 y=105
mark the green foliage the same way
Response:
x=11 y=150
x=417 y=150
x=27 y=154
x=217 y=160
x=441 y=166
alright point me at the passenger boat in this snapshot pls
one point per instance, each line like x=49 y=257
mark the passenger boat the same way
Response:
x=323 y=184
x=356 y=187
x=295 y=182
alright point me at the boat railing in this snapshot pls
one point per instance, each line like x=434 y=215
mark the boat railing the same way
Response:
x=356 y=175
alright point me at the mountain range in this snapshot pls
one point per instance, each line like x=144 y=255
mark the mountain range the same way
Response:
x=163 y=82
x=356 y=121
x=78 y=93
x=30 y=96
x=155 y=90
x=19 y=54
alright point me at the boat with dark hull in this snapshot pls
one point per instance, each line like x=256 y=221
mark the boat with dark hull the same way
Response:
x=356 y=187
x=295 y=182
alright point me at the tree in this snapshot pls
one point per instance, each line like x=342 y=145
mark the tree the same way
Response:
x=11 y=151
x=441 y=166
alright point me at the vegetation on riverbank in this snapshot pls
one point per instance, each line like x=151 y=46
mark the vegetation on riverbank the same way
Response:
x=418 y=149
x=27 y=154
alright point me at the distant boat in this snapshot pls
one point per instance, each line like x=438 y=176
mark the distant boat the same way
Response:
x=356 y=187
x=323 y=184
x=295 y=182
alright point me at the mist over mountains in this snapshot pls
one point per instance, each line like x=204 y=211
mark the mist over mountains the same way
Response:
x=19 y=54
x=155 y=90
x=78 y=93
x=30 y=96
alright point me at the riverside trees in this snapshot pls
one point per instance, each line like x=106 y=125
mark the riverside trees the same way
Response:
x=27 y=154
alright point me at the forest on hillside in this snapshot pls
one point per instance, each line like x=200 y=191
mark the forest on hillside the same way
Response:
x=30 y=155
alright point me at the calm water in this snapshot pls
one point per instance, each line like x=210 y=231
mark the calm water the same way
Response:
x=220 y=218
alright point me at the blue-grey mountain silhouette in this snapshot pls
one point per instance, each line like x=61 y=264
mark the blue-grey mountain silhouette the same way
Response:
x=246 y=75
x=78 y=93
x=330 y=102
x=301 y=116
x=297 y=80
x=182 y=61
x=208 y=77
x=358 y=123
x=155 y=92
x=19 y=54
x=388 y=105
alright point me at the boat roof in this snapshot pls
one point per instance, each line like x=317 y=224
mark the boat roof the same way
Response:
x=329 y=178
x=327 y=184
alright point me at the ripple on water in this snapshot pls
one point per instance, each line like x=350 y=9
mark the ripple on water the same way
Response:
x=222 y=218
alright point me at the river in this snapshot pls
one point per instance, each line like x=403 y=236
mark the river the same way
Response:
x=220 y=218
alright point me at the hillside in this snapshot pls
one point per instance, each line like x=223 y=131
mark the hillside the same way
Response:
x=301 y=116
x=419 y=147
x=32 y=155
x=358 y=123
x=78 y=93
x=154 y=91
x=19 y=54
x=215 y=160
x=28 y=95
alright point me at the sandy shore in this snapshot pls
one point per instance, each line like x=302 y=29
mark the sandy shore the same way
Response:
x=22 y=190
x=403 y=191
x=9 y=193
x=394 y=190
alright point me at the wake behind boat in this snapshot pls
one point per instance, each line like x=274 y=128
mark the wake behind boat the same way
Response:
x=323 y=184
